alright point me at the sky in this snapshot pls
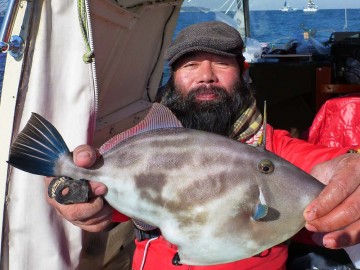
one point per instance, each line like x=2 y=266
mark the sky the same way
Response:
x=277 y=4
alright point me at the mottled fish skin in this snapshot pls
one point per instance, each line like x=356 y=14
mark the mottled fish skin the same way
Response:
x=202 y=190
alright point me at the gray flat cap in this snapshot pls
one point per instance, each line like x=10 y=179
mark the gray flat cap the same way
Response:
x=214 y=37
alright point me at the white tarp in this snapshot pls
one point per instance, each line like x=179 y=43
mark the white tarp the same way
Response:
x=59 y=88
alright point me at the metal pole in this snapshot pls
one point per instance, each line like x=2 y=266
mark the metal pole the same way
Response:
x=247 y=17
x=8 y=21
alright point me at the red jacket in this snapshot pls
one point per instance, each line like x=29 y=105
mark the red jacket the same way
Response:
x=159 y=253
x=337 y=124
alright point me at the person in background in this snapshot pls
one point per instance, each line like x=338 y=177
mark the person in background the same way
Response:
x=208 y=90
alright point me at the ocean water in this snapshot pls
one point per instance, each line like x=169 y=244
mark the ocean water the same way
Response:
x=272 y=27
x=275 y=26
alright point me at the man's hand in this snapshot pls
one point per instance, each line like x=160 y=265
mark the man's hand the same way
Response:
x=336 y=211
x=95 y=215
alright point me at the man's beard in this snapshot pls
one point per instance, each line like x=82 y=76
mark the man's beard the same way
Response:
x=215 y=116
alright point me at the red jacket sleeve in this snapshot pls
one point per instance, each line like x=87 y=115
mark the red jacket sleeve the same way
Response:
x=299 y=152
x=118 y=217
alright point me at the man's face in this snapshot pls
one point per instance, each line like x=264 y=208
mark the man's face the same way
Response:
x=207 y=92
x=205 y=70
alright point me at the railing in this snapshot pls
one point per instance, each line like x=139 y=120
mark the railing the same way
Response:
x=14 y=44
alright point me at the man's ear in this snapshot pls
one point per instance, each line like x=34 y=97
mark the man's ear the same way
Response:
x=245 y=73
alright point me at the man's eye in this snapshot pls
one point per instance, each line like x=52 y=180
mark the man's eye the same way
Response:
x=190 y=64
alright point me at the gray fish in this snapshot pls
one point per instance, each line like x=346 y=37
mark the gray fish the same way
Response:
x=216 y=199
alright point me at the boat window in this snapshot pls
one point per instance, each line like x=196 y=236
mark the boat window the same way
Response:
x=278 y=25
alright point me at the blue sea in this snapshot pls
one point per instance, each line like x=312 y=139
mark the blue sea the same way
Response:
x=274 y=27
x=270 y=26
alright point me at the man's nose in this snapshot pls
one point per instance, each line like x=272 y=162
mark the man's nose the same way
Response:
x=206 y=73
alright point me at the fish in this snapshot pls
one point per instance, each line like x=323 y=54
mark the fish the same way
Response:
x=218 y=200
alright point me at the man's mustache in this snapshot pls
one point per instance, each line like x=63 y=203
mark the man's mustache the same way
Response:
x=220 y=91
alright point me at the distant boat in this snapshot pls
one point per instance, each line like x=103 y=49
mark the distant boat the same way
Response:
x=287 y=8
x=311 y=7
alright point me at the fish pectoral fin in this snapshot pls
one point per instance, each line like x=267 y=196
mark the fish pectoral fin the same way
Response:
x=260 y=211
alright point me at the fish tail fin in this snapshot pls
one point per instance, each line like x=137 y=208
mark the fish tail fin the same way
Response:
x=38 y=147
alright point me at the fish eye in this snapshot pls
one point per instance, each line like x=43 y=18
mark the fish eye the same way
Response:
x=266 y=166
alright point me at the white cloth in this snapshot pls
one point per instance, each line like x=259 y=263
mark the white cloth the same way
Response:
x=58 y=87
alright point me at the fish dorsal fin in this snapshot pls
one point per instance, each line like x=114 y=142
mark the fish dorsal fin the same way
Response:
x=261 y=209
x=158 y=117
x=263 y=136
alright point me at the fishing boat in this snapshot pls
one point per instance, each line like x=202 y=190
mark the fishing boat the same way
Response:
x=92 y=68
x=311 y=7
x=287 y=8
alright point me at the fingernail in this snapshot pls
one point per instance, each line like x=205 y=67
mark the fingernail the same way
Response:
x=84 y=154
x=311 y=228
x=311 y=214
x=101 y=190
x=329 y=243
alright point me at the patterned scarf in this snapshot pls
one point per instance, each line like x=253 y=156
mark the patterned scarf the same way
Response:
x=248 y=124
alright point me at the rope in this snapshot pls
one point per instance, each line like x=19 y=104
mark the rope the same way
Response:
x=89 y=56
x=82 y=15
x=145 y=252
